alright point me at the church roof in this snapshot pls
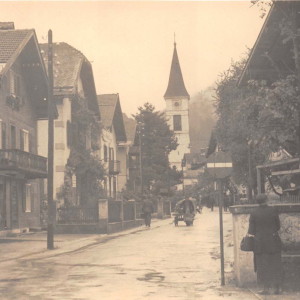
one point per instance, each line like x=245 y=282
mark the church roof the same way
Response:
x=176 y=87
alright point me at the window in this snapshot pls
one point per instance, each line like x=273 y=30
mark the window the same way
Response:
x=24 y=140
x=3 y=131
x=69 y=134
x=111 y=154
x=202 y=151
x=105 y=153
x=28 y=198
x=177 y=122
x=13 y=137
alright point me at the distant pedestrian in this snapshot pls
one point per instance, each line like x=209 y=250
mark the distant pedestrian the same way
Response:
x=147 y=209
x=264 y=224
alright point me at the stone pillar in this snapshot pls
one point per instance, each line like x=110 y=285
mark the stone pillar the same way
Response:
x=134 y=209
x=243 y=261
x=121 y=214
x=160 y=208
x=103 y=214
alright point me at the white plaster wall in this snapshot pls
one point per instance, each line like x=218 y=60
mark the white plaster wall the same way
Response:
x=60 y=137
x=122 y=176
x=183 y=137
x=108 y=139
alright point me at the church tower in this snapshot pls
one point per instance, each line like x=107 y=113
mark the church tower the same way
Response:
x=177 y=111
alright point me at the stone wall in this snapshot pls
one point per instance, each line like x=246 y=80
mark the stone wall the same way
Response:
x=289 y=215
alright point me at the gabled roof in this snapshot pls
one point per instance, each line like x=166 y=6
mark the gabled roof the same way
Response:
x=68 y=65
x=270 y=55
x=196 y=146
x=11 y=41
x=23 y=45
x=111 y=114
x=130 y=128
x=176 y=87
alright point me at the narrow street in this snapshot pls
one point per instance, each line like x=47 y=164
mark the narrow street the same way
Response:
x=164 y=262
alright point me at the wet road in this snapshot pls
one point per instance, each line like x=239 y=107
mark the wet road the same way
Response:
x=166 y=262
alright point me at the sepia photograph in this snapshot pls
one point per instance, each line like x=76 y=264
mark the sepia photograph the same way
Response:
x=150 y=150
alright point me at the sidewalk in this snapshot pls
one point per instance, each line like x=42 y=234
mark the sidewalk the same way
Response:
x=35 y=243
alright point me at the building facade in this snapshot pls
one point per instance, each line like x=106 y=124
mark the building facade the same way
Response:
x=23 y=101
x=73 y=82
x=177 y=111
x=113 y=150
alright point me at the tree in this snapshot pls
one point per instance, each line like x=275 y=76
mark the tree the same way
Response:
x=263 y=113
x=157 y=143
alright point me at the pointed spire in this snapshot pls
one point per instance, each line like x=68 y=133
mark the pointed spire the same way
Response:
x=176 y=87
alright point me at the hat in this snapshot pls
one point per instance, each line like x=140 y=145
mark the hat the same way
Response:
x=261 y=198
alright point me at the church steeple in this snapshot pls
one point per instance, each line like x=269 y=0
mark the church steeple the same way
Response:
x=176 y=87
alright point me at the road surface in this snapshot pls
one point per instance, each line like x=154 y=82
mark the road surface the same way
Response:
x=164 y=262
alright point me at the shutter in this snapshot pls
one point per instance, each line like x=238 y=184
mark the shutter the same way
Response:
x=24 y=197
x=11 y=82
x=69 y=134
x=32 y=197
x=22 y=139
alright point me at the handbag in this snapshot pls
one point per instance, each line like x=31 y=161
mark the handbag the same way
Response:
x=247 y=243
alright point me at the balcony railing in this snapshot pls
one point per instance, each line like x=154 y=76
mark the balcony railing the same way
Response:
x=114 y=167
x=15 y=161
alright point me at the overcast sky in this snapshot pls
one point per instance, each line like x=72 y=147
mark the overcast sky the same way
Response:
x=130 y=44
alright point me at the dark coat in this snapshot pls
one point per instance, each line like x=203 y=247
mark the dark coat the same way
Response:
x=147 y=206
x=264 y=224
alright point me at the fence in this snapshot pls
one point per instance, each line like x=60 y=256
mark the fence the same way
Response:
x=77 y=215
x=114 y=211
x=128 y=211
x=138 y=209
x=289 y=199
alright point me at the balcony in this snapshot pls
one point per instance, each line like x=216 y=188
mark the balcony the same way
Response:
x=114 y=167
x=15 y=161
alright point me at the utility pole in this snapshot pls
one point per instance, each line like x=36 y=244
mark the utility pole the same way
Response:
x=50 y=231
x=141 y=161
x=221 y=230
x=182 y=177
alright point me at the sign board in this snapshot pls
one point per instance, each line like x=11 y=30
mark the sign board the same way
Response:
x=219 y=165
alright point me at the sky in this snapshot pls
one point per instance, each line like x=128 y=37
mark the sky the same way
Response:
x=130 y=44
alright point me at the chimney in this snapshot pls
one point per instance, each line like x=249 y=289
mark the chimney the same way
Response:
x=7 y=25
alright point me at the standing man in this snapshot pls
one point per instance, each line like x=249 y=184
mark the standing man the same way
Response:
x=147 y=211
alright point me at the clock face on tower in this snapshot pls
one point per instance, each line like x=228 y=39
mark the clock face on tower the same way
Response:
x=176 y=104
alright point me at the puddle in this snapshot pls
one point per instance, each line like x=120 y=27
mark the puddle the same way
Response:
x=152 y=277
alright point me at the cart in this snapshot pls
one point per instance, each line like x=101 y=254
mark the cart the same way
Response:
x=179 y=214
